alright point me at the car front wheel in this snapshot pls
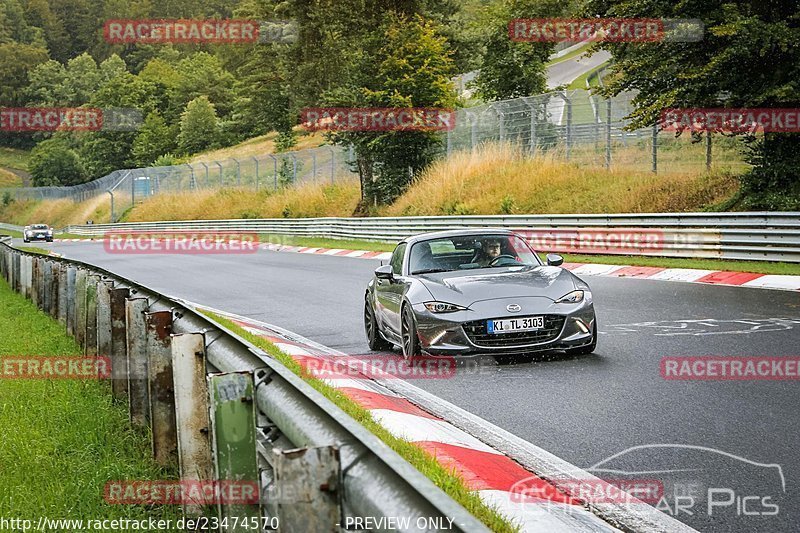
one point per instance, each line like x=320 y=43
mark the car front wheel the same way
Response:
x=409 y=334
x=376 y=342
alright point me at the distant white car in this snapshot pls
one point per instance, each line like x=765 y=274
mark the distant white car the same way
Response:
x=37 y=232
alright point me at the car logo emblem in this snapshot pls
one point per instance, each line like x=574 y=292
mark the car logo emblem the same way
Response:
x=513 y=308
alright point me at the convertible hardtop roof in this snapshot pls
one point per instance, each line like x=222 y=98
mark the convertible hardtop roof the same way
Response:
x=457 y=233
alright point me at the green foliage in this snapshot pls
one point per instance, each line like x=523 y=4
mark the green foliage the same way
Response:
x=153 y=139
x=748 y=57
x=7 y=199
x=511 y=69
x=53 y=162
x=410 y=67
x=507 y=205
x=199 y=126
x=166 y=160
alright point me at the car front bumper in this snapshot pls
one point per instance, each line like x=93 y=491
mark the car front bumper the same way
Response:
x=463 y=332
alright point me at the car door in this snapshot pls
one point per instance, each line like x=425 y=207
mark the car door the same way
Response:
x=389 y=294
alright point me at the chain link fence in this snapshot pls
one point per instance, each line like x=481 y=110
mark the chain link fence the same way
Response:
x=574 y=125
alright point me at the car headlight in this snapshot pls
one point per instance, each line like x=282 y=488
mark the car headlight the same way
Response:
x=443 y=307
x=574 y=297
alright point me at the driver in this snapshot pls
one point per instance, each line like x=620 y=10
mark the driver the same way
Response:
x=491 y=250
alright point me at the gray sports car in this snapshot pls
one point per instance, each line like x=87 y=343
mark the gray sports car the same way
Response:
x=477 y=291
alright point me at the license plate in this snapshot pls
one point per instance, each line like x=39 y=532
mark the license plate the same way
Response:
x=523 y=323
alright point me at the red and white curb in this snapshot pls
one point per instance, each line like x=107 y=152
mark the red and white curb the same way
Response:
x=484 y=469
x=686 y=275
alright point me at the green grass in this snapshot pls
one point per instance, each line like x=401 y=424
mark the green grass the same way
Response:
x=62 y=440
x=33 y=250
x=319 y=242
x=759 y=267
x=445 y=479
x=580 y=81
x=14 y=158
x=566 y=57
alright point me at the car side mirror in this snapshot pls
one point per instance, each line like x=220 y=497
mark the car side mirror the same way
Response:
x=554 y=260
x=384 y=272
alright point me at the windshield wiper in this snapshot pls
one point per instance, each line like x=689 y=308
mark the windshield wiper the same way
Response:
x=430 y=271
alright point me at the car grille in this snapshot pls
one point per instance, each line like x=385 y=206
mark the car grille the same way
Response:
x=476 y=331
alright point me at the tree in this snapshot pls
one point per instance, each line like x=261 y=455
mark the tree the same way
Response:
x=53 y=162
x=511 y=69
x=199 y=126
x=154 y=139
x=748 y=57
x=411 y=69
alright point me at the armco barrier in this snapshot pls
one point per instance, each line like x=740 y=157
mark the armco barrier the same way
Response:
x=222 y=409
x=757 y=236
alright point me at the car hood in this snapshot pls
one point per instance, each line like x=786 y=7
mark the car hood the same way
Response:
x=465 y=288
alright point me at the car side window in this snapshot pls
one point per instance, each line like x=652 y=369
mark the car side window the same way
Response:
x=397 y=259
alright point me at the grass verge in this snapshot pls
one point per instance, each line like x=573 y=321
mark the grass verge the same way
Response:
x=566 y=57
x=629 y=260
x=14 y=158
x=758 y=267
x=62 y=440
x=426 y=463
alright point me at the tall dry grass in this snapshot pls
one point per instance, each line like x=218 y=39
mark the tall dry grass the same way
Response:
x=492 y=180
x=499 y=179
x=57 y=213
x=312 y=200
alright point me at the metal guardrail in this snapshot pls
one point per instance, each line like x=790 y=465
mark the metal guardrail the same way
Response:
x=205 y=393
x=757 y=236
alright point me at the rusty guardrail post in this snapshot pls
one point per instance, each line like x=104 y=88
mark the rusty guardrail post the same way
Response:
x=104 y=319
x=119 y=345
x=191 y=410
x=136 y=339
x=72 y=277
x=81 y=282
x=92 y=280
x=62 y=294
x=161 y=387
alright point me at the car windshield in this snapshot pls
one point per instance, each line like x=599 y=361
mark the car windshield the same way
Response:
x=40 y=226
x=467 y=252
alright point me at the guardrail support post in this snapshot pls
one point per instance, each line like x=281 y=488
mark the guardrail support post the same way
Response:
x=233 y=423
x=80 y=307
x=72 y=277
x=708 y=151
x=90 y=349
x=62 y=294
x=161 y=387
x=119 y=345
x=191 y=410
x=35 y=278
x=136 y=339
x=307 y=488
x=608 y=134
x=655 y=148
x=104 y=320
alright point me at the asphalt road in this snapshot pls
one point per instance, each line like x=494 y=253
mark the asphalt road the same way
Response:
x=584 y=409
x=565 y=72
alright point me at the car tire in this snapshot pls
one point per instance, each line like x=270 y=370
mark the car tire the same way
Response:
x=589 y=348
x=408 y=334
x=374 y=339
